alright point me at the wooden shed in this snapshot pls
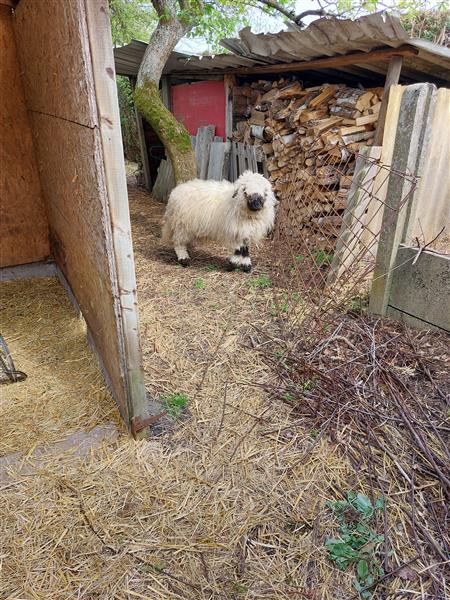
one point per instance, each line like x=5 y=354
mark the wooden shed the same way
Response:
x=63 y=192
x=373 y=50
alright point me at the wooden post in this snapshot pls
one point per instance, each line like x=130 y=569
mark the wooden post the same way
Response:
x=142 y=143
x=165 y=91
x=392 y=78
x=229 y=83
x=124 y=285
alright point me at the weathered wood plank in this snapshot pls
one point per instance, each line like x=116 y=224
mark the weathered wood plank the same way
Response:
x=349 y=247
x=205 y=136
x=216 y=161
x=23 y=222
x=165 y=181
x=331 y=62
x=392 y=78
x=242 y=158
x=58 y=44
x=123 y=279
x=75 y=154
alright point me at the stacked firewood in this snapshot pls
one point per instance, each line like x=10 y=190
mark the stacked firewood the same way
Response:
x=309 y=138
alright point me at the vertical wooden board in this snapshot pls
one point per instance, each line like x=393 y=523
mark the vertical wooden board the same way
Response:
x=216 y=161
x=204 y=139
x=58 y=77
x=23 y=222
x=226 y=174
x=229 y=83
x=70 y=160
x=242 y=162
x=165 y=181
x=349 y=246
x=374 y=216
x=234 y=161
x=82 y=189
x=116 y=187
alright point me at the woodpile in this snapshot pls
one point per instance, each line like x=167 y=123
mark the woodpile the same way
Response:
x=309 y=138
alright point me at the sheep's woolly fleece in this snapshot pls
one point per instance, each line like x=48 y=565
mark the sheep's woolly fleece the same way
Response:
x=217 y=210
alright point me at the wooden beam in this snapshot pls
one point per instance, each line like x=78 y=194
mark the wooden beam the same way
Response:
x=322 y=63
x=392 y=78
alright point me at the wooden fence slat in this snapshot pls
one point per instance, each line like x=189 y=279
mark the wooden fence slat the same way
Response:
x=226 y=170
x=205 y=136
x=216 y=160
x=242 y=162
x=233 y=167
x=360 y=195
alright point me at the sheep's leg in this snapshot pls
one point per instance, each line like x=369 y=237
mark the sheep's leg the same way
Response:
x=182 y=255
x=241 y=258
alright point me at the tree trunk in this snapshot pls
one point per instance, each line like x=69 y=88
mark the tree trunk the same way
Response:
x=171 y=132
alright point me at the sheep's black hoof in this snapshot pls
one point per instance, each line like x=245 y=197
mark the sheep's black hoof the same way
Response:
x=184 y=262
x=230 y=266
x=246 y=268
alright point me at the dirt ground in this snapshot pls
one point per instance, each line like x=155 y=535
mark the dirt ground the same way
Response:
x=227 y=501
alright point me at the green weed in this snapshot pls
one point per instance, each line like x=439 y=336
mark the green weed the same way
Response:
x=263 y=281
x=212 y=268
x=199 y=284
x=322 y=258
x=175 y=403
x=358 y=545
x=359 y=304
x=289 y=398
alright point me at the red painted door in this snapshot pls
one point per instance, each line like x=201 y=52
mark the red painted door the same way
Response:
x=199 y=104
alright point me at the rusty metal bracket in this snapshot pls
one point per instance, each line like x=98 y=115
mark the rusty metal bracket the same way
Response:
x=138 y=423
x=7 y=365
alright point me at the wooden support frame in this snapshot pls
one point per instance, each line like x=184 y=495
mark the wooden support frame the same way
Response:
x=322 y=63
x=392 y=78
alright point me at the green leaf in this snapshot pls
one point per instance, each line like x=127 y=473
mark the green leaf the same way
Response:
x=362 y=568
x=364 y=505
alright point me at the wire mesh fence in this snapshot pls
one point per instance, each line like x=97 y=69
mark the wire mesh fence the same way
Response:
x=328 y=228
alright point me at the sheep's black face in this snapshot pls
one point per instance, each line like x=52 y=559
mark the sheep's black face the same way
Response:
x=255 y=202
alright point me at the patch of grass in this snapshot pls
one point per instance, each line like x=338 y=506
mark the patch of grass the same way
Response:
x=308 y=384
x=263 y=281
x=175 y=403
x=359 y=304
x=322 y=258
x=199 y=284
x=212 y=268
x=358 y=545
x=288 y=397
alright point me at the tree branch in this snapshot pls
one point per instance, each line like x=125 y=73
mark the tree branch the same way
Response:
x=297 y=19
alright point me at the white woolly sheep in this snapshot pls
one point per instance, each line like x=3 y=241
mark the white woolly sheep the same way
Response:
x=233 y=214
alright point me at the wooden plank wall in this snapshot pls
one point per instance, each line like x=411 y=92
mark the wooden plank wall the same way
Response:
x=53 y=45
x=23 y=223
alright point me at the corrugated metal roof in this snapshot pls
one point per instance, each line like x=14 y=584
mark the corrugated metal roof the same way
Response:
x=322 y=38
